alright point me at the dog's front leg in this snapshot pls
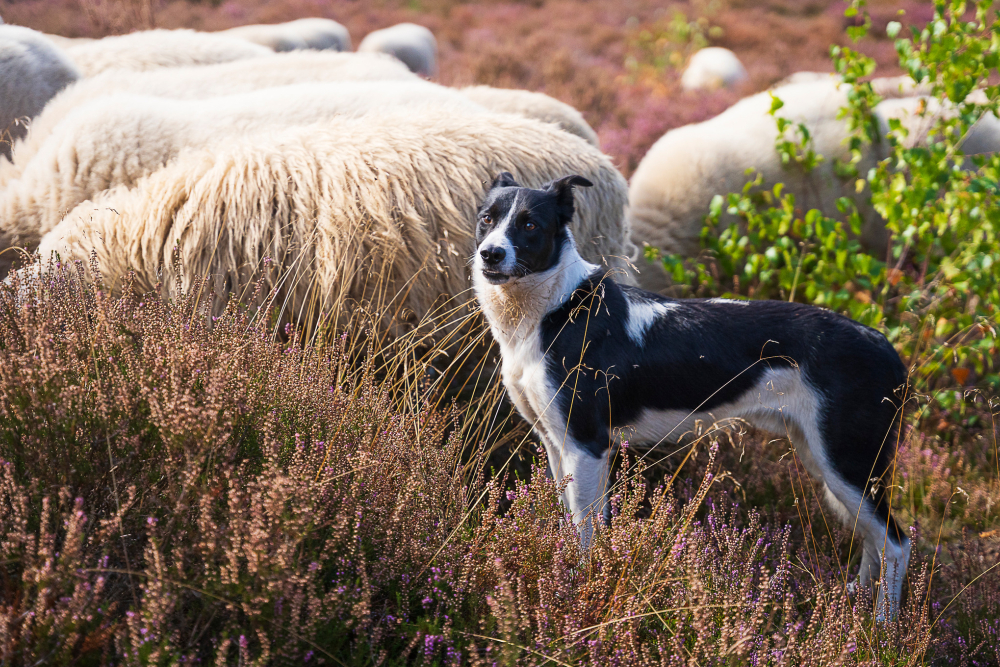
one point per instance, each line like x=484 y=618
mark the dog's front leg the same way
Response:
x=586 y=495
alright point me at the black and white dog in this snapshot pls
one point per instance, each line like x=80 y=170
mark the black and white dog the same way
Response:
x=584 y=358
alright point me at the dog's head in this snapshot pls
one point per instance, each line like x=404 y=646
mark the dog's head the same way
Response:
x=520 y=231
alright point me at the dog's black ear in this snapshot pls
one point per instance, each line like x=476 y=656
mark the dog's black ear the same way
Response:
x=505 y=180
x=563 y=190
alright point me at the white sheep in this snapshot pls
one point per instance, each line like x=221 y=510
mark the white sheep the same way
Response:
x=713 y=67
x=887 y=87
x=240 y=76
x=150 y=49
x=348 y=209
x=116 y=140
x=310 y=33
x=32 y=71
x=411 y=43
x=670 y=192
x=201 y=82
x=533 y=105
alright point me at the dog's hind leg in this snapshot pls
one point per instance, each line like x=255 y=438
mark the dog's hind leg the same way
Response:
x=853 y=446
x=885 y=547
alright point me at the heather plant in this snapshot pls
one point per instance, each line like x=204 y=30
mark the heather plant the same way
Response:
x=178 y=490
x=120 y=16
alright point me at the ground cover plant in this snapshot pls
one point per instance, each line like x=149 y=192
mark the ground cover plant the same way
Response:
x=178 y=490
x=181 y=491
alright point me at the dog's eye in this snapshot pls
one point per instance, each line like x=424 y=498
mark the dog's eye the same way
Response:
x=529 y=226
x=487 y=219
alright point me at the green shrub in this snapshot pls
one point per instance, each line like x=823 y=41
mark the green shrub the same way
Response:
x=935 y=293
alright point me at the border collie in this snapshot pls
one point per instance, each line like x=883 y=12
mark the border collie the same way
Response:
x=585 y=359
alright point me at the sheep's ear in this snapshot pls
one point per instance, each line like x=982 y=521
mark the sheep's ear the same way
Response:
x=562 y=188
x=505 y=180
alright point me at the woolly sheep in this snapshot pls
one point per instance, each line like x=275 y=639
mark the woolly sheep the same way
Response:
x=32 y=71
x=533 y=105
x=413 y=44
x=887 y=87
x=713 y=67
x=201 y=82
x=116 y=140
x=312 y=33
x=150 y=49
x=342 y=205
x=674 y=184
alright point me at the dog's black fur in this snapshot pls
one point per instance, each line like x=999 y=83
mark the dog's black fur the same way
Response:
x=690 y=361
x=612 y=358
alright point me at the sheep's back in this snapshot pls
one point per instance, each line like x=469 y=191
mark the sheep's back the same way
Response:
x=152 y=49
x=202 y=82
x=533 y=105
x=386 y=202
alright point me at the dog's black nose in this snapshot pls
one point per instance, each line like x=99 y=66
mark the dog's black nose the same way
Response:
x=493 y=256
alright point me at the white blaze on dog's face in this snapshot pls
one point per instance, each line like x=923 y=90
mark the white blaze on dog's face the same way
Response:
x=520 y=231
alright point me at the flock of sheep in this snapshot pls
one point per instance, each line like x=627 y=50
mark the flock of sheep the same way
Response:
x=269 y=146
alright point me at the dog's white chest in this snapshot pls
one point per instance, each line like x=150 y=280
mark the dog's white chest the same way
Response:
x=524 y=376
x=515 y=312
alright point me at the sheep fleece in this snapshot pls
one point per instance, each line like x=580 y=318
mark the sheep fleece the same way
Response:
x=336 y=204
x=121 y=138
x=161 y=48
x=533 y=105
x=205 y=81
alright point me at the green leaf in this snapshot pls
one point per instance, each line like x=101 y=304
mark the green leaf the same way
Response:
x=776 y=103
x=715 y=208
